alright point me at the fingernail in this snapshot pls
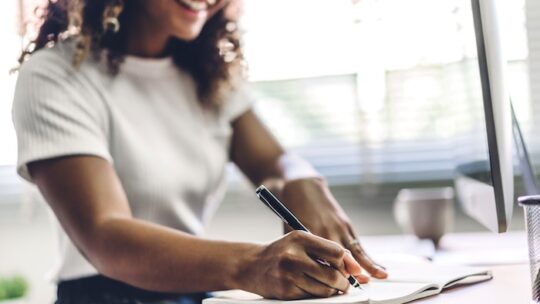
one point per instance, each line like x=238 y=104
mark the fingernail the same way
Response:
x=362 y=279
x=381 y=273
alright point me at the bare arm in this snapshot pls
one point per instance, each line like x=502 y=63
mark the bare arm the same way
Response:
x=254 y=150
x=87 y=197
x=256 y=153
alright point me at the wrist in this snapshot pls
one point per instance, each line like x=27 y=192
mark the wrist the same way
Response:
x=303 y=187
x=278 y=185
x=295 y=167
x=308 y=196
x=319 y=181
x=275 y=185
x=242 y=263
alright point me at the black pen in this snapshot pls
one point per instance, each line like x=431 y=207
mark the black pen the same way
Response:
x=272 y=202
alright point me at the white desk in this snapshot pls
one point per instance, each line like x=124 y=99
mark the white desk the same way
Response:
x=510 y=283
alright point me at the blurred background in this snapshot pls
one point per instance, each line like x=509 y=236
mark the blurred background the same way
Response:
x=369 y=92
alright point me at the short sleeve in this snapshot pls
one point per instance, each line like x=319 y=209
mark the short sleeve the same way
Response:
x=55 y=113
x=240 y=102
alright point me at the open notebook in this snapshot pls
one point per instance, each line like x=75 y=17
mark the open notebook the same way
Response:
x=407 y=282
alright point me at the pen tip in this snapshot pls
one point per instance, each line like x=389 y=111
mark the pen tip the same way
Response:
x=354 y=282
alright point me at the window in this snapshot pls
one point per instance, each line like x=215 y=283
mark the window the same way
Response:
x=10 y=185
x=372 y=92
x=360 y=90
x=11 y=48
x=533 y=25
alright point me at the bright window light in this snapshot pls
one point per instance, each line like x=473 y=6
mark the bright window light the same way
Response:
x=11 y=46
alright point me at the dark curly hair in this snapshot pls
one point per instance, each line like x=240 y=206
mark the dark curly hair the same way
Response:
x=214 y=59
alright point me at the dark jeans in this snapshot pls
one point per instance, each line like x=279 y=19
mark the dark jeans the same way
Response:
x=102 y=290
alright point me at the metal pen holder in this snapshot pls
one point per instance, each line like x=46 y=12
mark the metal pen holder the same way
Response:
x=531 y=205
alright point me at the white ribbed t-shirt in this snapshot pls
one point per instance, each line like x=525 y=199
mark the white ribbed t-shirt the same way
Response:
x=169 y=152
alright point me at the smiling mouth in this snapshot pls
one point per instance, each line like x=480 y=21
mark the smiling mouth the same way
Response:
x=195 y=5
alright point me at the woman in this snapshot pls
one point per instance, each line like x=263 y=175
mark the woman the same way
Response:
x=126 y=114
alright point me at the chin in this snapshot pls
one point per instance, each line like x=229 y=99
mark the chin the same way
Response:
x=188 y=33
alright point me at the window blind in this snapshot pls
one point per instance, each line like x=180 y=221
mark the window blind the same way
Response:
x=419 y=137
x=398 y=111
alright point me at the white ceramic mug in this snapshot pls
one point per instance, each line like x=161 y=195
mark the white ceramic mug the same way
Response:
x=428 y=213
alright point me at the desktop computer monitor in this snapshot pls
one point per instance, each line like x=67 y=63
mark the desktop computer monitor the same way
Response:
x=484 y=179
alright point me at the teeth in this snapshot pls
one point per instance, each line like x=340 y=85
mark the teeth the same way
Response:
x=196 y=5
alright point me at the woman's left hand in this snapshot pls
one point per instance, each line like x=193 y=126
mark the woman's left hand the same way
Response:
x=312 y=202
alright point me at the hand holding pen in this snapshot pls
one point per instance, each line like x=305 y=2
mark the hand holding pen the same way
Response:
x=286 y=269
x=346 y=261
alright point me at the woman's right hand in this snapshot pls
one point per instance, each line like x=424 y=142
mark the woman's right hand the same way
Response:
x=287 y=268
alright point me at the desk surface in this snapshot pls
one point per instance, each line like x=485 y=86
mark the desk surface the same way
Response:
x=510 y=283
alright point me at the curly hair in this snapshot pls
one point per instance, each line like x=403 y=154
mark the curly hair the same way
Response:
x=214 y=59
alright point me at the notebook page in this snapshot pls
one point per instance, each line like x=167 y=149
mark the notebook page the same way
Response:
x=375 y=292
x=405 y=283
x=432 y=273
x=238 y=296
x=397 y=292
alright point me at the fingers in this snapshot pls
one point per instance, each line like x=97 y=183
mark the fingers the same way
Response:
x=368 y=264
x=365 y=261
x=298 y=268
x=327 y=276
x=351 y=265
x=293 y=292
x=319 y=248
x=315 y=288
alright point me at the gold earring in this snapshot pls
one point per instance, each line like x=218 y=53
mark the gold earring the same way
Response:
x=110 y=16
